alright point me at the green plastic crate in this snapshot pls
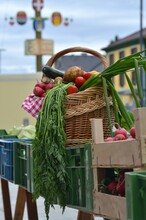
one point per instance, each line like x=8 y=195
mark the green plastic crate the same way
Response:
x=80 y=172
x=22 y=168
x=135 y=183
x=79 y=169
x=3 y=132
x=8 y=136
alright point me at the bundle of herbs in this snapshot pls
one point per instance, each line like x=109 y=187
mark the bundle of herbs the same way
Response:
x=49 y=155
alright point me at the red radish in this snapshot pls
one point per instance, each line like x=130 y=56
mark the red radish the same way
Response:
x=112 y=186
x=121 y=187
x=122 y=131
x=49 y=86
x=38 y=91
x=121 y=181
x=132 y=132
x=41 y=85
x=130 y=138
x=43 y=95
x=109 y=139
x=119 y=137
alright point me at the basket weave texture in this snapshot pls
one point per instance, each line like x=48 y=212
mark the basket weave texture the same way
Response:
x=82 y=106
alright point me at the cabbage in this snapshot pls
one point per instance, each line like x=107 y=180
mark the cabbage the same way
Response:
x=23 y=132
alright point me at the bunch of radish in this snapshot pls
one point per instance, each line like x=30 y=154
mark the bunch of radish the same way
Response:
x=117 y=186
x=41 y=88
x=121 y=134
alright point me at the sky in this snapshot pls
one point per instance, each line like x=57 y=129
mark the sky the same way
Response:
x=94 y=24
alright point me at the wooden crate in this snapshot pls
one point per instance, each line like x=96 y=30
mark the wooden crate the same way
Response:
x=119 y=154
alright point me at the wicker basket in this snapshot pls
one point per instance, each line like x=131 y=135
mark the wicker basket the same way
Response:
x=82 y=106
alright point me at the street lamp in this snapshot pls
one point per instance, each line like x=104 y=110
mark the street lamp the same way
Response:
x=142 y=74
x=141 y=25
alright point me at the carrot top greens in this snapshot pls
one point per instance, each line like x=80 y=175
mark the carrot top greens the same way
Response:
x=49 y=154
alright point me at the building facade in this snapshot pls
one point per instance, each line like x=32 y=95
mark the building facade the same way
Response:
x=120 y=48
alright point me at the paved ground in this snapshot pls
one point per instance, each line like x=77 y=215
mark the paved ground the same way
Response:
x=55 y=214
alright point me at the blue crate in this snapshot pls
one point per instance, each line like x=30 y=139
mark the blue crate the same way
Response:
x=6 y=161
x=6 y=157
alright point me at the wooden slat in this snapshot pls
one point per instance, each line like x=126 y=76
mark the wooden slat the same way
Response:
x=20 y=204
x=31 y=207
x=109 y=206
x=84 y=216
x=124 y=153
x=6 y=199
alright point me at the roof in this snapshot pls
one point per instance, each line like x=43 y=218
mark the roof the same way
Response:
x=87 y=62
x=130 y=38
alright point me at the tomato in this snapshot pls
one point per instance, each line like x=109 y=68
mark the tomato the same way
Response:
x=87 y=75
x=79 y=81
x=72 y=89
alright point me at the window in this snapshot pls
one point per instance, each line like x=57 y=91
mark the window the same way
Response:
x=133 y=50
x=121 y=54
x=121 y=77
x=133 y=78
x=111 y=58
x=122 y=80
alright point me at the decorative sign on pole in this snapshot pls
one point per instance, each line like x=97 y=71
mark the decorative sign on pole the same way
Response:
x=38 y=24
x=39 y=47
x=56 y=18
x=38 y=5
x=21 y=17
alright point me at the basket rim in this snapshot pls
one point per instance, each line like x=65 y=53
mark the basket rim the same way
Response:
x=51 y=61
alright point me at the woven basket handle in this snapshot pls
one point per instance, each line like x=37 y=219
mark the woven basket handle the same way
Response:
x=76 y=49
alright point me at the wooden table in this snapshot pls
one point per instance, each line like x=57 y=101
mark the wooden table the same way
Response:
x=23 y=196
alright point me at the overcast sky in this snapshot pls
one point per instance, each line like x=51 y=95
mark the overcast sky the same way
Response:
x=95 y=23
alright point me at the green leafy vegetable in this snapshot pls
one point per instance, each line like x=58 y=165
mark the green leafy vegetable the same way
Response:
x=24 y=132
x=50 y=176
x=124 y=123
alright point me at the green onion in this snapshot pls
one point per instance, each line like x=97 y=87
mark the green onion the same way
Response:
x=121 y=107
x=132 y=90
x=138 y=82
x=107 y=103
x=115 y=107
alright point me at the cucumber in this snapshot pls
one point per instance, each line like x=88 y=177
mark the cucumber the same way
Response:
x=51 y=72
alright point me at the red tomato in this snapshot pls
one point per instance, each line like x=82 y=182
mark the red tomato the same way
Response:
x=87 y=75
x=79 y=81
x=72 y=89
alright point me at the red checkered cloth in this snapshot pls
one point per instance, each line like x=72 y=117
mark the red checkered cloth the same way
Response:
x=33 y=104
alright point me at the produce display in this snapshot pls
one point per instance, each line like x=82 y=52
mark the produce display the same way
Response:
x=50 y=176
x=121 y=134
x=74 y=74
